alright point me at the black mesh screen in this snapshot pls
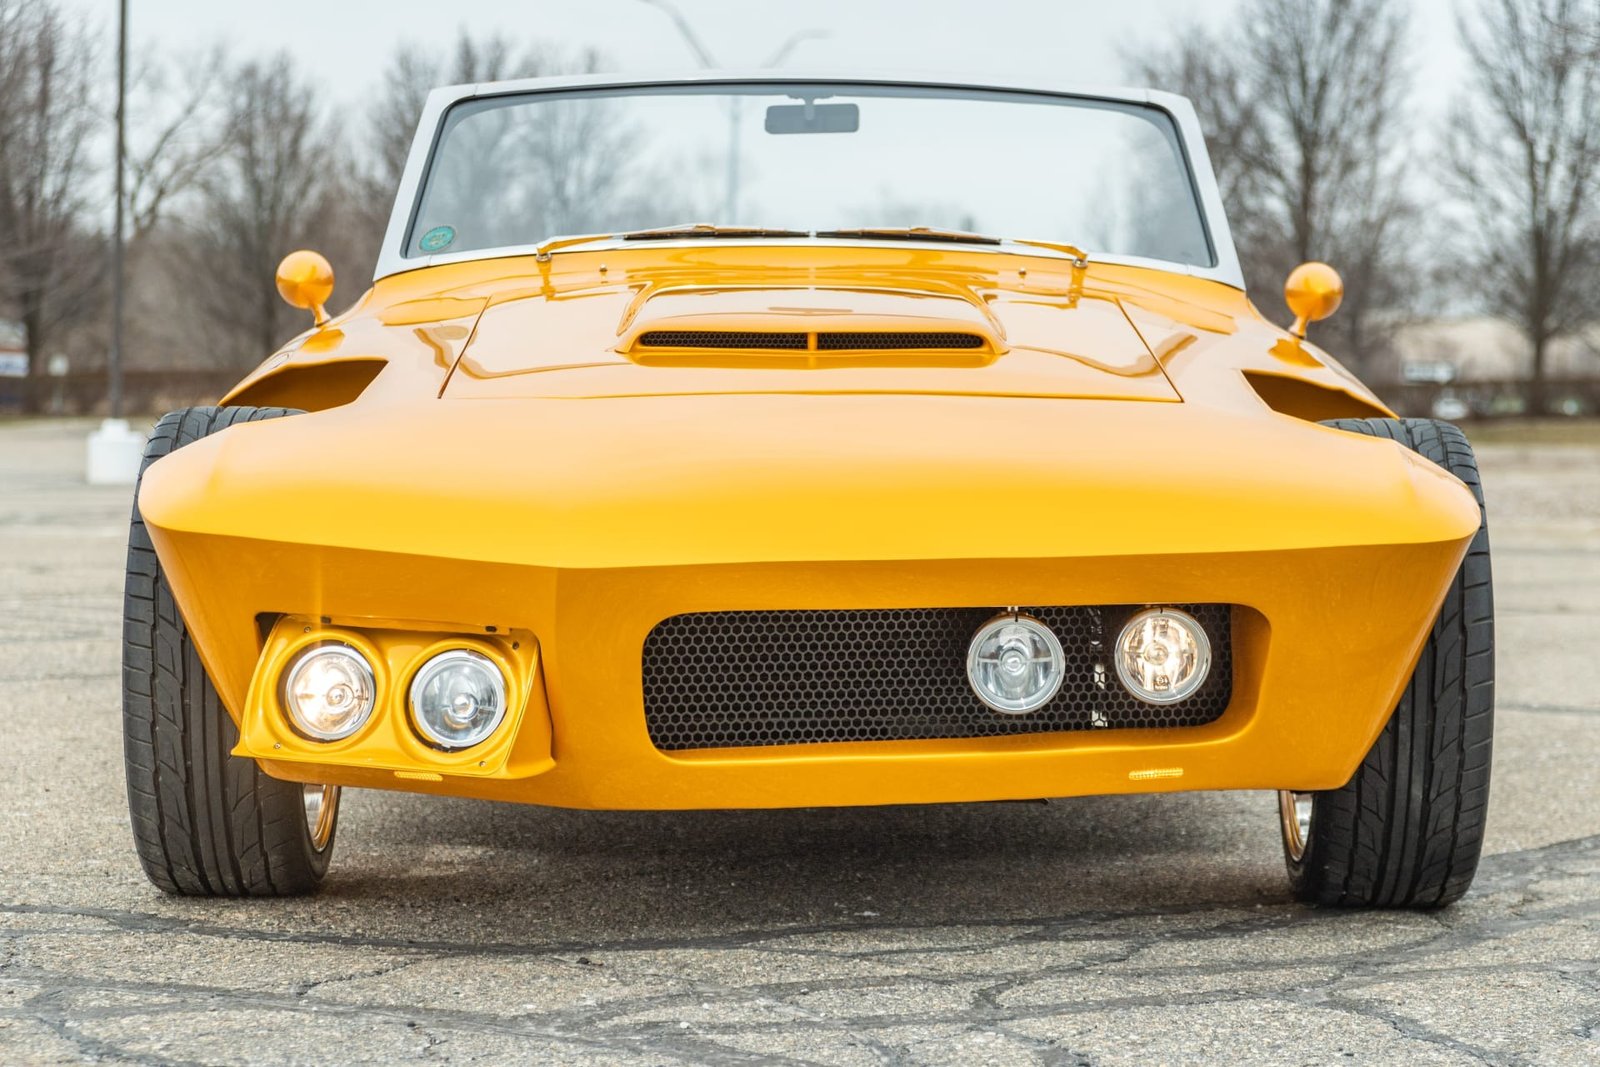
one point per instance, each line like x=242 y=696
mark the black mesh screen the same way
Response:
x=728 y=679
x=875 y=341
x=836 y=341
x=721 y=339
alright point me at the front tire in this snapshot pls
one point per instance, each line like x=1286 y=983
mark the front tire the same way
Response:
x=205 y=822
x=1407 y=829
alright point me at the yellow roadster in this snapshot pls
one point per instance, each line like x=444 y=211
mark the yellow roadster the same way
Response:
x=762 y=441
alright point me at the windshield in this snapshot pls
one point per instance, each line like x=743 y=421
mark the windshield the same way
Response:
x=517 y=170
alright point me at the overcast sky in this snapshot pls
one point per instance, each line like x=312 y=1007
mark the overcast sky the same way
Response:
x=348 y=43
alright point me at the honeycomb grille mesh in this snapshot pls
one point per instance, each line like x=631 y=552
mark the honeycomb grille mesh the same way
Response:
x=722 y=339
x=834 y=341
x=889 y=340
x=731 y=679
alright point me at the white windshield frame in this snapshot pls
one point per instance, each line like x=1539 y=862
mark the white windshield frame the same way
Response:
x=393 y=260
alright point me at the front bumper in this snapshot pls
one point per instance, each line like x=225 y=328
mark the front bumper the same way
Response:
x=1335 y=592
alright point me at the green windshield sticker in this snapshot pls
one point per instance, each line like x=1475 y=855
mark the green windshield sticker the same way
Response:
x=437 y=239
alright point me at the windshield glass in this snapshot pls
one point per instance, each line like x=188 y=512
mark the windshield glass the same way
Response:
x=517 y=170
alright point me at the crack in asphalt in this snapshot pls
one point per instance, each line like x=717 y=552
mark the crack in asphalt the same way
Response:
x=1558 y=709
x=1510 y=901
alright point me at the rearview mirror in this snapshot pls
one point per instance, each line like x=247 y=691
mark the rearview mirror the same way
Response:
x=813 y=118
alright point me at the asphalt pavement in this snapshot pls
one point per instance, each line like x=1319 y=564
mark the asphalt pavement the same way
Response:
x=1125 y=930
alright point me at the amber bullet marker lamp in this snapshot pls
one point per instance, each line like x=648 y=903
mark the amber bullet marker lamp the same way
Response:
x=305 y=280
x=1313 y=292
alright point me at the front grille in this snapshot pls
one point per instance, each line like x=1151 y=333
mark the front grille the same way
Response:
x=722 y=339
x=730 y=679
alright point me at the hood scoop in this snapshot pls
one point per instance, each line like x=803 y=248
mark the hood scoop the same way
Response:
x=811 y=327
x=820 y=341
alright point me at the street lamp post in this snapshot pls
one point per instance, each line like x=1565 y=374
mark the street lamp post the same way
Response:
x=114 y=450
x=114 y=362
x=730 y=200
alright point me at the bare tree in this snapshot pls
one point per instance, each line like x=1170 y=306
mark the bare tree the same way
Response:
x=415 y=71
x=264 y=195
x=1206 y=67
x=1525 y=149
x=1304 y=111
x=176 y=104
x=51 y=262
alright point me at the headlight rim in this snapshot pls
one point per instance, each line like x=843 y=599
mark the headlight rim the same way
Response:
x=298 y=661
x=456 y=653
x=1052 y=641
x=1203 y=645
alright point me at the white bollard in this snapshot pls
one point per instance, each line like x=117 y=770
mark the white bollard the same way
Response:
x=115 y=452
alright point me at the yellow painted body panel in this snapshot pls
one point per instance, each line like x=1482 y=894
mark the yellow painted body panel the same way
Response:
x=519 y=472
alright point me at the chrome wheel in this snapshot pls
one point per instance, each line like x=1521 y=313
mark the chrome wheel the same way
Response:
x=322 y=810
x=1294 y=811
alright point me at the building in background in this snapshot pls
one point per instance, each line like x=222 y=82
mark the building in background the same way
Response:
x=1462 y=366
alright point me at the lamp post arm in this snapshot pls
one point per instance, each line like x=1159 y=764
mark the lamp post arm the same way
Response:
x=685 y=31
x=783 y=50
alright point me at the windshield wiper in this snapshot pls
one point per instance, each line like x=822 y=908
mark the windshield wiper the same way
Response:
x=914 y=233
x=706 y=229
x=1079 y=258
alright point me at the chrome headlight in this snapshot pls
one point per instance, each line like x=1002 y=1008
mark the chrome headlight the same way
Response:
x=458 y=698
x=329 y=692
x=1015 y=664
x=1163 y=655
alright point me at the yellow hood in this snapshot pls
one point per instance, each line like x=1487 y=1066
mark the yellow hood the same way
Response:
x=895 y=335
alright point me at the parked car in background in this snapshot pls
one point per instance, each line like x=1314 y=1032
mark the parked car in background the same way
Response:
x=1449 y=407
